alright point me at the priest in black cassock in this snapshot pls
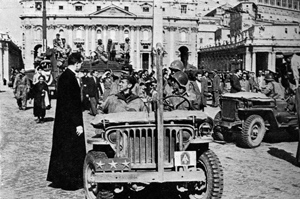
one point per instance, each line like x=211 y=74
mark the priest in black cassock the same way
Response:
x=68 y=144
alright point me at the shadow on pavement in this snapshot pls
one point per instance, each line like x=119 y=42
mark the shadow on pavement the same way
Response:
x=282 y=154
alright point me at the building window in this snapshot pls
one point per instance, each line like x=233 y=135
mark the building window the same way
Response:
x=98 y=34
x=98 y=8
x=126 y=8
x=78 y=8
x=79 y=33
x=146 y=9
x=38 y=34
x=183 y=9
x=286 y=30
x=278 y=2
x=290 y=3
x=62 y=33
x=38 y=6
x=283 y=3
x=145 y=35
x=60 y=7
x=272 y=2
x=201 y=40
x=260 y=1
x=183 y=36
x=163 y=9
x=126 y=34
x=266 y=1
x=112 y=34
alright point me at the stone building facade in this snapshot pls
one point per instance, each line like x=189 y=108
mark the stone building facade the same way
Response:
x=86 y=21
x=10 y=58
x=256 y=39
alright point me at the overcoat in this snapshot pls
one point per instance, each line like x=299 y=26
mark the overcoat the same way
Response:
x=68 y=149
x=38 y=91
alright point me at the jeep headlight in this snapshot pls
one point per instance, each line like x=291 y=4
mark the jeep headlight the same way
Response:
x=205 y=129
x=186 y=136
x=112 y=137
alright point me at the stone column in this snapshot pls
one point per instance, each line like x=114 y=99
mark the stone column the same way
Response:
x=93 y=38
x=86 y=42
x=248 y=60
x=253 y=67
x=172 y=47
x=28 y=39
x=70 y=36
x=6 y=62
x=121 y=34
x=138 y=43
x=271 y=61
x=104 y=39
x=1 y=64
x=132 y=52
x=193 y=49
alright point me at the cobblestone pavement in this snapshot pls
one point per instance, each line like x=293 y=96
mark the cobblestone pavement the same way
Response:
x=265 y=172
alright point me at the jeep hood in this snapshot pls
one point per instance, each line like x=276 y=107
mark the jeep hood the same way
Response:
x=144 y=117
x=248 y=96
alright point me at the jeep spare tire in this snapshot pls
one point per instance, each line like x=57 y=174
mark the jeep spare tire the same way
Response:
x=253 y=132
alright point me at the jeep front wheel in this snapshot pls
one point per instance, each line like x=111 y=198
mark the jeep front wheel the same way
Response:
x=93 y=189
x=253 y=132
x=212 y=186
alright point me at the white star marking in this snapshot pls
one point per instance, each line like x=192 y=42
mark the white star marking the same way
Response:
x=100 y=164
x=113 y=164
x=126 y=164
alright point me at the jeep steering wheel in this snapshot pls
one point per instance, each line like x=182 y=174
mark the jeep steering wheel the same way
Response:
x=171 y=106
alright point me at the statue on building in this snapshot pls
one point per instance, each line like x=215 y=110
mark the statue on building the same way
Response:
x=127 y=49
x=58 y=45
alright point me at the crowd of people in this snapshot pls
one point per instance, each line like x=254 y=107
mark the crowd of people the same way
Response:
x=103 y=92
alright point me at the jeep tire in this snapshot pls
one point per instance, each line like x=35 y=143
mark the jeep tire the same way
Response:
x=253 y=132
x=93 y=190
x=210 y=164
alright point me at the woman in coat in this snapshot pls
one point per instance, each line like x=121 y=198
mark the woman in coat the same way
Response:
x=41 y=99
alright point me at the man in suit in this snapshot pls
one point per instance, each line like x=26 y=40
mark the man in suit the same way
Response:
x=200 y=88
x=235 y=81
x=85 y=90
x=68 y=144
x=94 y=85
x=216 y=86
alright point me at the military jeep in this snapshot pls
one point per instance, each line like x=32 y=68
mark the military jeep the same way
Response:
x=248 y=116
x=130 y=156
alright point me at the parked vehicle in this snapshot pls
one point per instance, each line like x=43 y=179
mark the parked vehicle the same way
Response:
x=250 y=116
x=126 y=156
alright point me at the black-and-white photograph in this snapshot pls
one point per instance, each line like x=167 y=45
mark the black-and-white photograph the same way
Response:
x=149 y=99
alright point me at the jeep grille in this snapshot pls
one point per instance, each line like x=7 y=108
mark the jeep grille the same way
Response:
x=139 y=143
x=229 y=109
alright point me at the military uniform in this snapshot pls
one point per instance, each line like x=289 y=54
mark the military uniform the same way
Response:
x=123 y=103
x=21 y=88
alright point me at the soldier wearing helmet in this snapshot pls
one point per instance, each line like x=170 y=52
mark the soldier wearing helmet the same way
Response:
x=179 y=81
x=273 y=89
x=175 y=66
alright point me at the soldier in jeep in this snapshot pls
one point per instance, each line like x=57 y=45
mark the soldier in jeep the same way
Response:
x=125 y=100
x=273 y=89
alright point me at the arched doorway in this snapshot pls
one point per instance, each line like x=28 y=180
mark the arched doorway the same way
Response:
x=36 y=50
x=184 y=55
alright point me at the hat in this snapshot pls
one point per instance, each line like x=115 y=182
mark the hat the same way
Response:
x=126 y=69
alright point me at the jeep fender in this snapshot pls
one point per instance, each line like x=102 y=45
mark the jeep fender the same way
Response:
x=268 y=114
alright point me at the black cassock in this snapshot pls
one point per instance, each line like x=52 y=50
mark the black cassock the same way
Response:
x=68 y=149
x=38 y=91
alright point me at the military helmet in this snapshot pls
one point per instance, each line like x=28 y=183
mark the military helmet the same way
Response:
x=177 y=65
x=269 y=77
x=181 y=78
